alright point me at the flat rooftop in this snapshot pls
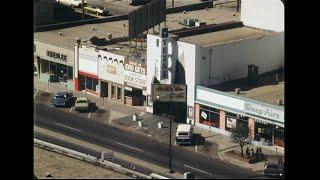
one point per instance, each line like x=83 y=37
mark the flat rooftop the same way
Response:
x=210 y=16
x=219 y=37
x=267 y=90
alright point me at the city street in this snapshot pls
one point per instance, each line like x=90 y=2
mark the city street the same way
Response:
x=90 y=130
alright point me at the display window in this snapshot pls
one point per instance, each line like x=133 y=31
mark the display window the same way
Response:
x=209 y=116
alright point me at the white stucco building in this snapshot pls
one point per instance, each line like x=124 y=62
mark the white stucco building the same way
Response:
x=216 y=57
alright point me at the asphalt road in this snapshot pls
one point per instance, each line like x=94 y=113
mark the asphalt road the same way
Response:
x=133 y=145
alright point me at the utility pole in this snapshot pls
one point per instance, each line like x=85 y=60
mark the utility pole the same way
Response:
x=82 y=6
x=170 y=150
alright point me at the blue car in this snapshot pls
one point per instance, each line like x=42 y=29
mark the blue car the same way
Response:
x=62 y=99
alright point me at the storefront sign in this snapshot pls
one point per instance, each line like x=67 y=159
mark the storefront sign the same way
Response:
x=56 y=55
x=262 y=111
x=231 y=122
x=111 y=69
x=135 y=74
x=161 y=92
x=204 y=115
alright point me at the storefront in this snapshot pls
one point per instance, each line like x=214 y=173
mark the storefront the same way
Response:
x=88 y=71
x=111 y=72
x=135 y=79
x=54 y=64
x=220 y=112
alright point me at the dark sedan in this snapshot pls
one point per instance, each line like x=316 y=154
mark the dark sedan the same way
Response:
x=275 y=170
x=62 y=99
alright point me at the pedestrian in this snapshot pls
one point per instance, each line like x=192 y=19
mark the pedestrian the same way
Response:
x=257 y=153
x=251 y=154
x=247 y=151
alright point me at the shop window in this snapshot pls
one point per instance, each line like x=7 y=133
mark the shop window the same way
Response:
x=209 y=116
x=263 y=132
x=119 y=93
x=70 y=73
x=44 y=66
x=82 y=82
x=89 y=83
x=53 y=68
x=279 y=136
x=94 y=84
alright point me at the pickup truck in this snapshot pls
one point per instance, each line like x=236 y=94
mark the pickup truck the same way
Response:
x=82 y=104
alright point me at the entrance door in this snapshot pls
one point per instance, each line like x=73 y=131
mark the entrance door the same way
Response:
x=104 y=89
x=119 y=93
x=113 y=92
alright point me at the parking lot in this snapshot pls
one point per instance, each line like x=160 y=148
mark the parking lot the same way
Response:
x=45 y=98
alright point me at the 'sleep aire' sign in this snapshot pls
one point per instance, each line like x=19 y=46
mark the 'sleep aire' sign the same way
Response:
x=263 y=111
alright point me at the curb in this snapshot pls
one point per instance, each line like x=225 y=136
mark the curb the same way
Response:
x=91 y=159
x=237 y=162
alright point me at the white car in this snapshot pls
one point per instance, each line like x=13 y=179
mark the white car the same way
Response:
x=72 y=3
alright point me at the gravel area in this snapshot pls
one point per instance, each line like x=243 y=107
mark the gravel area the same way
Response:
x=61 y=166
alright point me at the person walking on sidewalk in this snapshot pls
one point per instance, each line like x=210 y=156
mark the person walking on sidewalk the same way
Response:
x=247 y=151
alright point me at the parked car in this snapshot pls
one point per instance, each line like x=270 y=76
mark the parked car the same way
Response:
x=72 y=3
x=82 y=104
x=98 y=10
x=273 y=169
x=62 y=99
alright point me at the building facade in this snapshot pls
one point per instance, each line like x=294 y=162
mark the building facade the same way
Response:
x=196 y=64
x=54 y=63
x=220 y=112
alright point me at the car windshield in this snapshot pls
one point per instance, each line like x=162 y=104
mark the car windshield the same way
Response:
x=58 y=97
x=183 y=134
x=273 y=166
x=81 y=101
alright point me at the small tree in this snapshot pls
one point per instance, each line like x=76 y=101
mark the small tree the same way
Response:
x=240 y=135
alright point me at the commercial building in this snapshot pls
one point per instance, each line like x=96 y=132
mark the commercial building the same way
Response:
x=54 y=63
x=210 y=59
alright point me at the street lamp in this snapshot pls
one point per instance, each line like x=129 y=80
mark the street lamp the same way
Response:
x=170 y=125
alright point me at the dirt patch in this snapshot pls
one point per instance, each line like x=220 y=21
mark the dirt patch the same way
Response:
x=61 y=166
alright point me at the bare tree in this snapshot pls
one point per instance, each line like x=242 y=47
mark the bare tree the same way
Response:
x=240 y=135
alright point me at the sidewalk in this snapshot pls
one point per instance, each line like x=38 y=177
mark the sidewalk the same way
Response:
x=215 y=146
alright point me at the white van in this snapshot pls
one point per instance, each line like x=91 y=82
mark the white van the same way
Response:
x=72 y=3
x=184 y=134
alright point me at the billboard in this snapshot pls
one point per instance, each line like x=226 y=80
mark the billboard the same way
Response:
x=161 y=92
x=135 y=74
x=146 y=17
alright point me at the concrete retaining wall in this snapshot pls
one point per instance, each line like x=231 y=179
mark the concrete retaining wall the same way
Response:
x=190 y=7
x=92 y=159
x=79 y=23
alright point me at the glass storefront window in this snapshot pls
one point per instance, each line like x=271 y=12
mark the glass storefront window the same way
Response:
x=94 y=84
x=44 y=66
x=209 y=116
x=70 y=73
x=88 y=83
x=263 y=132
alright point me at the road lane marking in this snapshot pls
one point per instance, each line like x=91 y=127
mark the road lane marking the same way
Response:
x=89 y=115
x=130 y=147
x=68 y=127
x=35 y=93
x=71 y=109
x=197 y=169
